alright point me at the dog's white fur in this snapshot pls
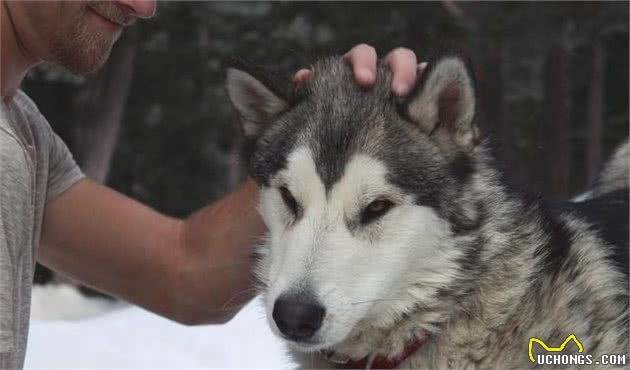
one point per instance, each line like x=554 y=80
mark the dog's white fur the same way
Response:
x=320 y=252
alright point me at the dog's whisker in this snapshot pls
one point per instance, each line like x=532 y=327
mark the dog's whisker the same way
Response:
x=380 y=300
x=242 y=292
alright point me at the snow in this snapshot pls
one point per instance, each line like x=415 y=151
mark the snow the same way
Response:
x=116 y=336
x=64 y=302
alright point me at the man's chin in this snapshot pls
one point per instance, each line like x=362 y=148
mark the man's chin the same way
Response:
x=84 y=66
x=82 y=58
x=91 y=67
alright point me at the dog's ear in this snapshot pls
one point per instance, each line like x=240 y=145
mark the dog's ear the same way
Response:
x=443 y=106
x=256 y=103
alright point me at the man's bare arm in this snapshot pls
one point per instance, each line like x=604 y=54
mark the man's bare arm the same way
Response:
x=192 y=271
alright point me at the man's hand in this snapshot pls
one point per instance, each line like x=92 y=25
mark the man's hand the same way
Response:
x=363 y=59
x=217 y=269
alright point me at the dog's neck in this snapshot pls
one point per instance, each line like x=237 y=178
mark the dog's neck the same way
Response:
x=375 y=361
x=393 y=346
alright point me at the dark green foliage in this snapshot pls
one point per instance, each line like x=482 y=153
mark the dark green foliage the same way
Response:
x=179 y=142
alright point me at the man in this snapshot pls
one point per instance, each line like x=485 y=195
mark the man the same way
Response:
x=193 y=271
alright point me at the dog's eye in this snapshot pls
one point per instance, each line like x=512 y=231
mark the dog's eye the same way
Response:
x=289 y=200
x=375 y=210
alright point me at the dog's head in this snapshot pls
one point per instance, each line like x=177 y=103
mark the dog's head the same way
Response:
x=359 y=192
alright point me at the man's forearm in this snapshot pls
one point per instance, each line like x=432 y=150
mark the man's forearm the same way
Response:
x=185 y=270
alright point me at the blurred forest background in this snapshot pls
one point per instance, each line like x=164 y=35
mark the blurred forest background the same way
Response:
x=156 y=123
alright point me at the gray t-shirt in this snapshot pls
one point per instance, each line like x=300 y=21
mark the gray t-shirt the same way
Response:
x=35 y=167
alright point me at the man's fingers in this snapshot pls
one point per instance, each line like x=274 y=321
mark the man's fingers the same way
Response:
x=363 y=60
x=404 y=66
x=302 y=75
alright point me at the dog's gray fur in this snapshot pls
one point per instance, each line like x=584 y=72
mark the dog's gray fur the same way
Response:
x=520 y=266
x=615 y=174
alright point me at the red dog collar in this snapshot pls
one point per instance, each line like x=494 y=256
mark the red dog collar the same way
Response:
x=379 y=362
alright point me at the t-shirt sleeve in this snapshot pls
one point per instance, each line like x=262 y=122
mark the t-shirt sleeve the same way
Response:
x=13 y=208
x=63 y=170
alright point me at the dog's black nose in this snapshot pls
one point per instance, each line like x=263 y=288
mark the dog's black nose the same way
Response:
x=298 y=317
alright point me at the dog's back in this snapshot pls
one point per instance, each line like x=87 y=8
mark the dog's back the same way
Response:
x=607 y=208
x=608 y=215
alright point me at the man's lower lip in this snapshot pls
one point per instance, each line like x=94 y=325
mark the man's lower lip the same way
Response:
x=114 y=27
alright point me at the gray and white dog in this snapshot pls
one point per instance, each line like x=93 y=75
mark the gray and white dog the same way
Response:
x=393 y=241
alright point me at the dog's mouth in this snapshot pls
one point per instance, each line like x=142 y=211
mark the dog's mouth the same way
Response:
x=311 y=346
x=324 y=341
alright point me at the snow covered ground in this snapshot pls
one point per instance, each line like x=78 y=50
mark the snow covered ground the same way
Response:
x=69 y=331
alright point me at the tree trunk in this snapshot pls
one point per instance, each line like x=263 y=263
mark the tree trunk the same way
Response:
x=553 y=134
x=596 y=113
x=492 y=91
x=489 y=74
x=99 y=107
